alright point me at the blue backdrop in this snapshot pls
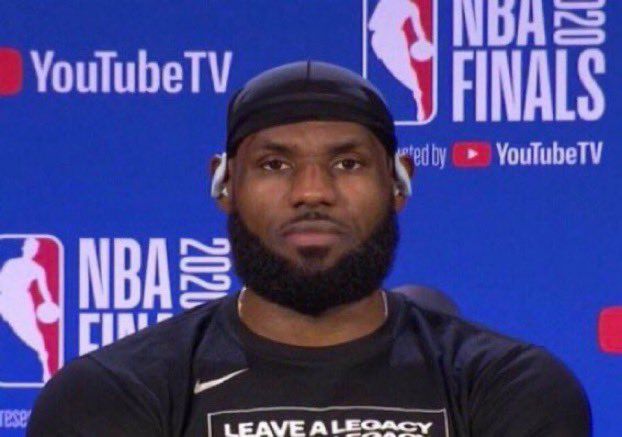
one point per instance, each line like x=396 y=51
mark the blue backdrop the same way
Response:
x=110 y=111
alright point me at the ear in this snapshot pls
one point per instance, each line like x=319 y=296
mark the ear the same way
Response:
x=220 y=186
x=404 y=170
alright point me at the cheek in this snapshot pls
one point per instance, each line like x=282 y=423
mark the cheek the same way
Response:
x=258 y=203
x=366 y=204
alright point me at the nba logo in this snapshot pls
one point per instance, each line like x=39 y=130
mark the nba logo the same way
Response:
x=31 y=309
x=400 y=56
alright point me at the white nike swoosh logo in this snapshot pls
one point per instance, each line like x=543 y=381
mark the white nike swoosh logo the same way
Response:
x=202 y=386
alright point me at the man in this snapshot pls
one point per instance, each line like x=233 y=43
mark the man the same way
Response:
x=312 y=346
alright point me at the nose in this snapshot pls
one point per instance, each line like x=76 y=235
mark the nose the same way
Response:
x=312 y=185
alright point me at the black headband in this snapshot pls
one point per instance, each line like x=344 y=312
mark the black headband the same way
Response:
x=304 y=91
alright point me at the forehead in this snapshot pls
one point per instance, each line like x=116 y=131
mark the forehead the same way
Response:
x=312 y=137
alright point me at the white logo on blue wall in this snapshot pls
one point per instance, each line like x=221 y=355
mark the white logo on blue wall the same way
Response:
x=402 y=60
x=30 y=311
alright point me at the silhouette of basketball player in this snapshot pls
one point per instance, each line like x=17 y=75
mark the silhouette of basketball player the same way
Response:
x=391 y=46
x=16 y=305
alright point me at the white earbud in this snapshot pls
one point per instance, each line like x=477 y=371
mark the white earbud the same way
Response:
x=218 y=188
x=402 y=185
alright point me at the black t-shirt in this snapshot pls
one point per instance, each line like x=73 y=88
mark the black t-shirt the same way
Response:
x=204 y=373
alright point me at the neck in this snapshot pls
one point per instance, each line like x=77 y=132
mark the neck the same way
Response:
x=337 y=325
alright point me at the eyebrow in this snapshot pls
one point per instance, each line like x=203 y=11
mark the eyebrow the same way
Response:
x=346 y=146
x=274 y=147
x=334 y=148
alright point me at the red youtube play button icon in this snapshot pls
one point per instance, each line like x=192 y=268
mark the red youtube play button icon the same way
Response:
x=11 y=71
x=610 y=330
x=474 y=154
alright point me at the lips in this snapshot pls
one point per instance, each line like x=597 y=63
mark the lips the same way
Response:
x=312 y=233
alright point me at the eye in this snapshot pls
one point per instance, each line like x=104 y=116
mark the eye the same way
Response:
x=274 y=165
x=348 y=164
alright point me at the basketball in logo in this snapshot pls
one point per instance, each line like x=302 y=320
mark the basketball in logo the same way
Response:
x=31 y=309
x=400 y=56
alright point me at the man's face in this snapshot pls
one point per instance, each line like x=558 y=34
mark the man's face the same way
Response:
x=311 y=191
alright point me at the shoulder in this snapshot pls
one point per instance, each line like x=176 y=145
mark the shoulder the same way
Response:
x=504 y=381
x=469 y=345
x=85 y=399
x=160 y=349
x=143 y=378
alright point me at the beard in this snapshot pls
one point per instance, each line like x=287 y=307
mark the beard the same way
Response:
x=308 y=288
